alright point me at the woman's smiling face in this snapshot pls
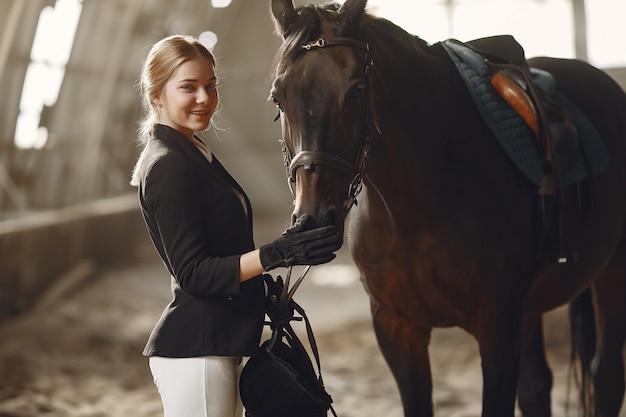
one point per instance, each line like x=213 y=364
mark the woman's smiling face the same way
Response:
x=189 y=97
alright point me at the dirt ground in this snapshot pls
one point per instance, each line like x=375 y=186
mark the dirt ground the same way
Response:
x=80 y=356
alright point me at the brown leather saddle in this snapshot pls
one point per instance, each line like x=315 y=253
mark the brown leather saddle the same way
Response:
x=555 y=132
x=553 y=126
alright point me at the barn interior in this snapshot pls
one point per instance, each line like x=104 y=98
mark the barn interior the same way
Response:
x=69 y=219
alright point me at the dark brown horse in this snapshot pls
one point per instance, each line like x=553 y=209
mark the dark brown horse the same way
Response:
x=446 y=230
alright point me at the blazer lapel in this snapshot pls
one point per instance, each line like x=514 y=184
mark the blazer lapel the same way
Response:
x=214 y=169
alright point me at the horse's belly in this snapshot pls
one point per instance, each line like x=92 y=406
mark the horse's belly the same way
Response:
x=557 y=284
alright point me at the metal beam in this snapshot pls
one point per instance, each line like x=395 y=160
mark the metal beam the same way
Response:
x=580 y=29
x=97 y=119
x=8 y=34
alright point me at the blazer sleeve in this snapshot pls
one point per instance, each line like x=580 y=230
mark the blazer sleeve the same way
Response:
x=182 y=220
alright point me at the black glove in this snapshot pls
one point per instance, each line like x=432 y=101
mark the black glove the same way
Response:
x=301 y=247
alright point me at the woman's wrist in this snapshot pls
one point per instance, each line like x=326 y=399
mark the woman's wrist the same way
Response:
x=250 y=265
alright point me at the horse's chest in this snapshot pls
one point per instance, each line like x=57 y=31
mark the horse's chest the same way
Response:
x=424 y=283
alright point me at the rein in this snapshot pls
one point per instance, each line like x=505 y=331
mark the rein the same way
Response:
x=353 y=169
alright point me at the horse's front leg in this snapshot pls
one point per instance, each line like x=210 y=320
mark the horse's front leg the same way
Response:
x=498 y=336
x=535 y=380
x=405 y=348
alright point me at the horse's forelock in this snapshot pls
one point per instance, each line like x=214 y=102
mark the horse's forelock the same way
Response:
x=312 y=21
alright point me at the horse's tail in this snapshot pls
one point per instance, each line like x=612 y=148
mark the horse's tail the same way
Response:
x=583 y=336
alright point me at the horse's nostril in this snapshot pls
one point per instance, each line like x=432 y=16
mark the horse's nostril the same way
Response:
x=304 y=221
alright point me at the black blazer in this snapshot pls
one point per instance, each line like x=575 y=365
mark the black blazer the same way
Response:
x=199 y=227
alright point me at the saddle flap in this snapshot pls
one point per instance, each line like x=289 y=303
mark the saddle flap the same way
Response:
x=517 y=98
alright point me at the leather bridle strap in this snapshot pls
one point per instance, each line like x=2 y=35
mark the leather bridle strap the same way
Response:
x=307 y=159
x=339 y=40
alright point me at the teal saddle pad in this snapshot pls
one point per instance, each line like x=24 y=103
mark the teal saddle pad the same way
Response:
x=516 y=138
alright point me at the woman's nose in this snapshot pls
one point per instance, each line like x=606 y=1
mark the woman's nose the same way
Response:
x=202 y=96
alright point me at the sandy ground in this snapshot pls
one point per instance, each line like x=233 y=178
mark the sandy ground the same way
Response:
x=80 y=356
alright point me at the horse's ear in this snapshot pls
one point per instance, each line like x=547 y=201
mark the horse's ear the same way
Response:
x=284 y=14
x=354 y=8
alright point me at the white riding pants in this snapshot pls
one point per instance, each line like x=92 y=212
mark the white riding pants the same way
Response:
x=198 y=387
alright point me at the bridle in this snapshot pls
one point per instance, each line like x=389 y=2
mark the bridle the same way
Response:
x=354 y=169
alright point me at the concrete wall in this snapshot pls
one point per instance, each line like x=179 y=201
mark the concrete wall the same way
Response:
x=45 y=255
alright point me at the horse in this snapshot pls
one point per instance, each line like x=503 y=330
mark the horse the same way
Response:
x=383 y=139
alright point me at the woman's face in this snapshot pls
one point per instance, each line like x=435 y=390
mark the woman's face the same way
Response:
x=189 y=97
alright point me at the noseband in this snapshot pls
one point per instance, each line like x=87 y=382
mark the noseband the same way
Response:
x=354 y=169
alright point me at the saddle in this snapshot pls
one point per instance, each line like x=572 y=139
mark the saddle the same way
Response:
x=528 y=90
x=554 y=128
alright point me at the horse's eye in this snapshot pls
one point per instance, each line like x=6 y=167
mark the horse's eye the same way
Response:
x=357 y=90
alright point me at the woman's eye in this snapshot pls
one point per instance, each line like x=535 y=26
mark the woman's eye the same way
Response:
x=276 y=102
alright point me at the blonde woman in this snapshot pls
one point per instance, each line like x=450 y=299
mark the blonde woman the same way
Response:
x=200 y=221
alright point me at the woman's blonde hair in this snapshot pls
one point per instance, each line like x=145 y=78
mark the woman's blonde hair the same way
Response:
x=163 y=59
x=161 y=62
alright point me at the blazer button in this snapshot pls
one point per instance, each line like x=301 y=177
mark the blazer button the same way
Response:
x=229 y=298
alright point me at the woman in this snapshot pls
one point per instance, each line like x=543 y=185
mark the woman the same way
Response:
x=200 y=222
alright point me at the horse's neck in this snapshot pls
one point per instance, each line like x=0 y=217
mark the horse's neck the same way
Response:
x=409 y=79
x=413 y=87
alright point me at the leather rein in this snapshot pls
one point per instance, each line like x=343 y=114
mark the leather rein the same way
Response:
x=308 y=159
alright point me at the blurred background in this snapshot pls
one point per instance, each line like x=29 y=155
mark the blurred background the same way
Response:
x=68 y=217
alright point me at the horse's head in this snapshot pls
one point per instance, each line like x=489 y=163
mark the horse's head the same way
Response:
x=321 y=88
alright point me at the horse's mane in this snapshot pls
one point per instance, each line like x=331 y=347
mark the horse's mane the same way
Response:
x=382 y=34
